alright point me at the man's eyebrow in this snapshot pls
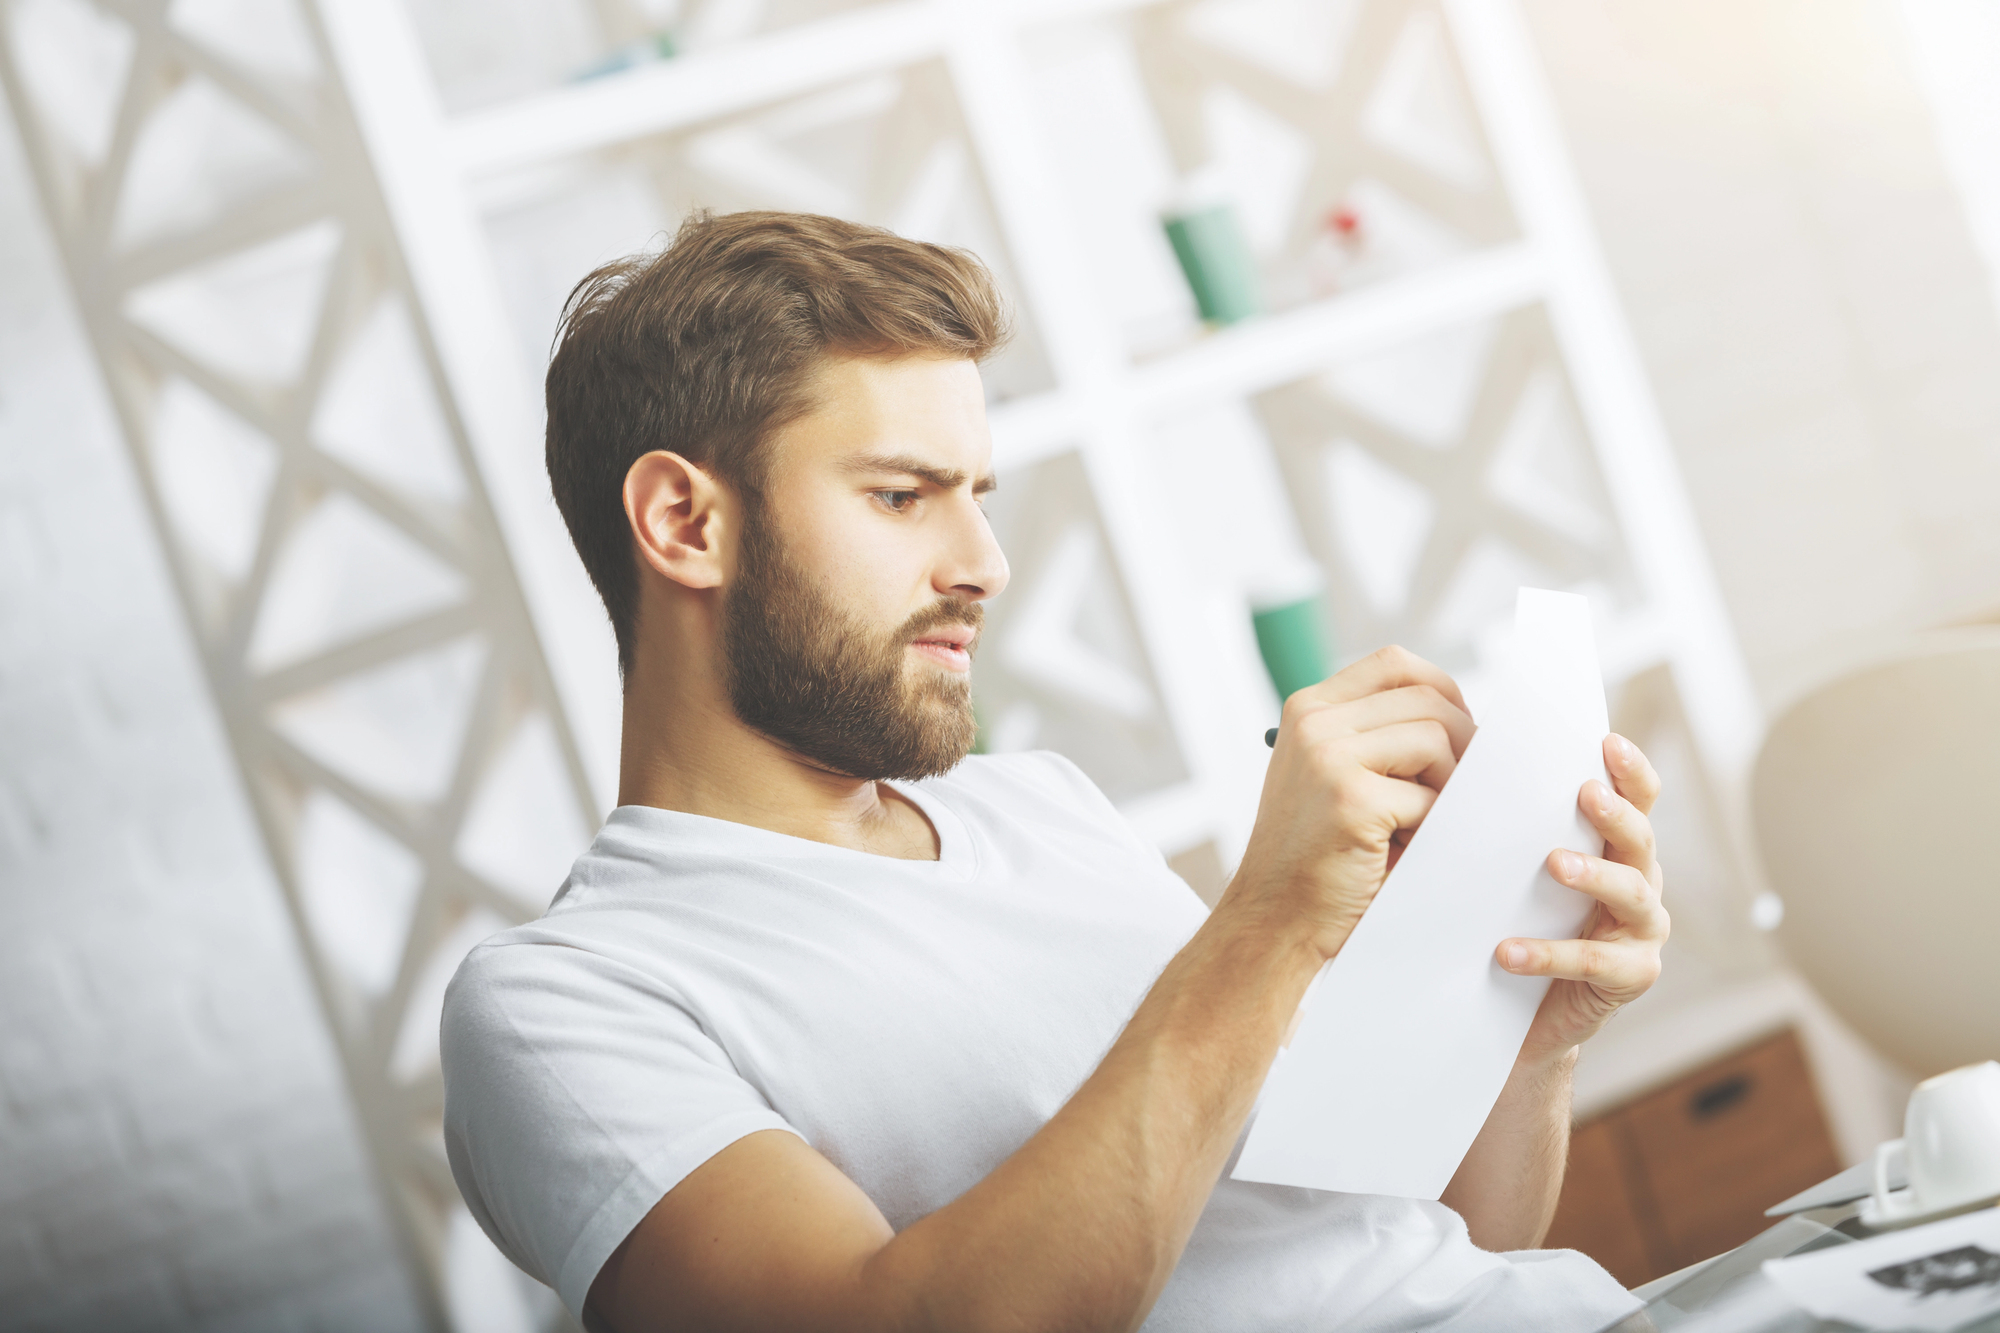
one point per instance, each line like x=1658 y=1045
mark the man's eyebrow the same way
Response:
x=944 y=478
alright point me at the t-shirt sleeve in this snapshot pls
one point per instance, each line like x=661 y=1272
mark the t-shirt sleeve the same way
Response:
x=578 y=1091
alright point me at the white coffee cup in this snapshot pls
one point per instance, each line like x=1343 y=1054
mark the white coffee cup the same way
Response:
x=1950 y=1146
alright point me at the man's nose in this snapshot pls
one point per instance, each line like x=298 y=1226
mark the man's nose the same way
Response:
x=974 y=568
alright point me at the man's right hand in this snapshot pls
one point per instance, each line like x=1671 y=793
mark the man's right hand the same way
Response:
x=1360 y=758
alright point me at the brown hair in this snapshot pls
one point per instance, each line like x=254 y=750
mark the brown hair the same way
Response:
x=708 y=346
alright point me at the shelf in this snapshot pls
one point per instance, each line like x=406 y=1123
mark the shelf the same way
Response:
x=671 y=94
x=1262 y=354
x=708 y=85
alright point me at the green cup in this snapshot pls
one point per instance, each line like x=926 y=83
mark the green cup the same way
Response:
x=1292 y=638
x=1217 y=262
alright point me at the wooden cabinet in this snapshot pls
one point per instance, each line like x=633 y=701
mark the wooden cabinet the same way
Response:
x=1598 y=1213
x=1686 y=1172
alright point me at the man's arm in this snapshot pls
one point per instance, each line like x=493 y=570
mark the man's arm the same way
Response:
x=1506 y=1188
x=1082 y=1226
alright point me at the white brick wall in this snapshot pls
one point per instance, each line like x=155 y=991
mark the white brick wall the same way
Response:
x=176 y=1150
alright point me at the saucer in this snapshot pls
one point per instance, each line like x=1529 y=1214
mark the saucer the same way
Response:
x=1901 y=1212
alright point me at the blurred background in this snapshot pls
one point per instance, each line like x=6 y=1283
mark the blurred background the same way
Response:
x=1339 y=319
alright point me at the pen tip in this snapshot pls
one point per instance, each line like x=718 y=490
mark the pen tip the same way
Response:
x=1271 y=738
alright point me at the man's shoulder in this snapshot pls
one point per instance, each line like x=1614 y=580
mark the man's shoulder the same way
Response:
x=509 y=962
x=1042 y=774
x=516 y=987
x=577 y=945
x=1041 y=789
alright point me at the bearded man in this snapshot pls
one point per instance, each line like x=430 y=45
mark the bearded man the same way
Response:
x=834 y=1028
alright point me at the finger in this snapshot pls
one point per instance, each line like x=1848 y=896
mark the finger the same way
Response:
x=1631 y=772
x=1402 y=804
x=1410 y=703
x=1388 y=668
x=1616 y=967
x=1417 y=750
x=1628 y=834
x=1399 y=842
x=1624 y=889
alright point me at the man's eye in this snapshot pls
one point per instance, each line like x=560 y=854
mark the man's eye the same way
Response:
x=897 y=501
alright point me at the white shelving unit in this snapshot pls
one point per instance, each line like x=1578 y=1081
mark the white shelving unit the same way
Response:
x=1100 y=400
x=1471 y=367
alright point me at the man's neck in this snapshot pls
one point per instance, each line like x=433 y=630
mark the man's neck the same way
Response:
x=683 y=748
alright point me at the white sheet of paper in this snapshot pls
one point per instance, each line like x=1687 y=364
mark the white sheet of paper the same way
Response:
x=1409 y=1033
x=1937 y=1276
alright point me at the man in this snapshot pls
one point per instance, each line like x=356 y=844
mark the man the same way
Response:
x=833 y=1028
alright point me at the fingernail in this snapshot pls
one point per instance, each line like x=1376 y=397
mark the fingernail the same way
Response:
x=1568 y=865
x=1513 y=956
x=1623 y=748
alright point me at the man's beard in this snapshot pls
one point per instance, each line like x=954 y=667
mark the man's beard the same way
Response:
x=804 y=672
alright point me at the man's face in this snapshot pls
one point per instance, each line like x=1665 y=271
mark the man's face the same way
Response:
x=850 y=620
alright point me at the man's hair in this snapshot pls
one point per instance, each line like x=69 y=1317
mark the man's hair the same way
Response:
x=707 y=347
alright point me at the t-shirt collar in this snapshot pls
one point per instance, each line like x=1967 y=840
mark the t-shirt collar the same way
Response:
x=956 y=853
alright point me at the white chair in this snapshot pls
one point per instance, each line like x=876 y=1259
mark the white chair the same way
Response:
x=1876 y=805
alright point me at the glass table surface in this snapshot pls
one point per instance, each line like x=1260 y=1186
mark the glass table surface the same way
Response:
x=1730 y=1294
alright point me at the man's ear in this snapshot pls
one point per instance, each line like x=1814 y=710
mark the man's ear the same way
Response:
x=676 y=514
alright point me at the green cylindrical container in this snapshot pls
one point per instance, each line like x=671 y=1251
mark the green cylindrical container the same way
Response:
x=1293 y=641
x=1217 y=261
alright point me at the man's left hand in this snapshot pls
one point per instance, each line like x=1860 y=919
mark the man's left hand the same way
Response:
x=1617 y=958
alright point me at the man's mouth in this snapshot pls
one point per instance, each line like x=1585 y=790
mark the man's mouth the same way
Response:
x=950 y=646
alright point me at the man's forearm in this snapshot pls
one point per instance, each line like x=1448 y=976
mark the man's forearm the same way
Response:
x=1507 y=1186
x=1081 y=1227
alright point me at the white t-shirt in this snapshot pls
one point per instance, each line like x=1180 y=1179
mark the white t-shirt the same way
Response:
x=915 y=1022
